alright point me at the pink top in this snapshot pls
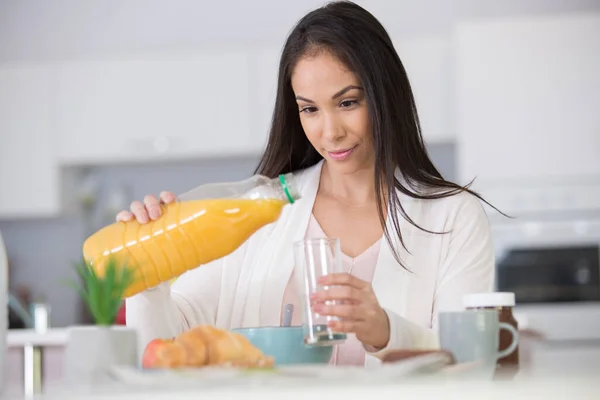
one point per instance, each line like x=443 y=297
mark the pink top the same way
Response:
x=351 y=352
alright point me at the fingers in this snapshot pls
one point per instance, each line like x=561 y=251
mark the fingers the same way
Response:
x=344 y=311
x=149 y=209
x=357 y=308
x=152 y=207
x=124 y=216
x=140 y=212
x=348 y=326
x=343 y=279
x=339 y=293
x=167 y=197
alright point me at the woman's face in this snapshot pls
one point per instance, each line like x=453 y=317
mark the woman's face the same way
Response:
x=333 y=112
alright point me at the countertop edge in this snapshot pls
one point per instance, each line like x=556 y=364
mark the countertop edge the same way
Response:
x=23 y=337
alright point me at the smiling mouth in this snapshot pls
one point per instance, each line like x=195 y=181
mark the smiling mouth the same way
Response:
x=341 y=154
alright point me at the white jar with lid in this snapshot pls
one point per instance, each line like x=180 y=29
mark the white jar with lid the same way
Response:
x=3 y=312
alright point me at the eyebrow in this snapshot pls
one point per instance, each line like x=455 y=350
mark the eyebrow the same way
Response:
x=335 y=96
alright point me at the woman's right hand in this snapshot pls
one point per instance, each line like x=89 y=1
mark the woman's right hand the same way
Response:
x=148 y=210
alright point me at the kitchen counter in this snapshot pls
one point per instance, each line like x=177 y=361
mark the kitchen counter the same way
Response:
x=23 y=337
x=552 y=389
x=561 y=370
x=571 y=388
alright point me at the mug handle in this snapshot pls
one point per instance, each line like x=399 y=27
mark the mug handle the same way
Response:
x=513 y=344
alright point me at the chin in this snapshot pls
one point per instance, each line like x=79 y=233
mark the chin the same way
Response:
x=348 y=167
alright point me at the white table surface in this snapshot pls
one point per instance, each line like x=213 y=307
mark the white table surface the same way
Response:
x=571 y=388
x=554 y=371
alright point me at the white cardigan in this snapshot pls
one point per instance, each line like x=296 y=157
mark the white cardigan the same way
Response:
x=245 y=288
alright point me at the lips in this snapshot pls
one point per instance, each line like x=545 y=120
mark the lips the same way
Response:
x=341 y=155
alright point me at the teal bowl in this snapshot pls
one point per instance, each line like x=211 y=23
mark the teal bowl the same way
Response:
x=286 y=345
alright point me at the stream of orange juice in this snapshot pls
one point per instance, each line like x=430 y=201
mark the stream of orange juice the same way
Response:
x=189 y=234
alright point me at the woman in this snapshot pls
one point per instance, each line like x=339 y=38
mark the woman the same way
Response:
x=345 y=121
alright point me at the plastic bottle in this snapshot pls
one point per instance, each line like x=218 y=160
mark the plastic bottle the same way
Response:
x=215 y=221
x=3 y=312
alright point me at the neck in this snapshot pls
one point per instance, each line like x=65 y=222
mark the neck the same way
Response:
x=356 y=188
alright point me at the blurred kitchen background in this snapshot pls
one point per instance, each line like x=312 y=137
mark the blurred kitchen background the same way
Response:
x=103 y=101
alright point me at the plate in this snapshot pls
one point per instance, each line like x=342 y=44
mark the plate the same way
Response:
x=179 y=376
x=288 y=374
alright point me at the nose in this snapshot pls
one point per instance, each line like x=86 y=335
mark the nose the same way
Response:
x=333 y=129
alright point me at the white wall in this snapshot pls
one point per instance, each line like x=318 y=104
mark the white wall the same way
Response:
x=39 y=29
x=64 y=30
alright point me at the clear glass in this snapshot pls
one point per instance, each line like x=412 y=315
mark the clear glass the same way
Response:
x=315 y=258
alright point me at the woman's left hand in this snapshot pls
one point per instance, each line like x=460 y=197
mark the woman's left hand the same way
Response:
x=359 y=311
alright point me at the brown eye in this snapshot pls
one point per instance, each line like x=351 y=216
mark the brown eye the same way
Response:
x=348 y=103
x=309 y=110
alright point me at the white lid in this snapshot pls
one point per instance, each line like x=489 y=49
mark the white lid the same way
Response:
x=493 y=299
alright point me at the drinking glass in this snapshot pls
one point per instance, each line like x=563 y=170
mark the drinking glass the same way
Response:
x=315 y=258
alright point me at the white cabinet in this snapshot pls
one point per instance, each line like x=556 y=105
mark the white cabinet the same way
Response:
x=428 y=61
x=528 y=94
x=263 y=66
x=167 y=106
x=29 y=175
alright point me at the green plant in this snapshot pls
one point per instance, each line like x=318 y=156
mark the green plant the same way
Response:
x=103 y=293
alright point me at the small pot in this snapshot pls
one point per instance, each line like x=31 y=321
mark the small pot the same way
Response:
x=92 y=350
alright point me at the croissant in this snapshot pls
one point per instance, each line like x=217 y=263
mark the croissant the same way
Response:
x=225 y=347
x=204 y=346
x=195 y=348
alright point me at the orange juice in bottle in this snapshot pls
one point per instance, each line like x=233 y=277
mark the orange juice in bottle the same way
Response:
x=207 y=223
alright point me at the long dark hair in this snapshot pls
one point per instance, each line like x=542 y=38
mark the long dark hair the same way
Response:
x=359 y=41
